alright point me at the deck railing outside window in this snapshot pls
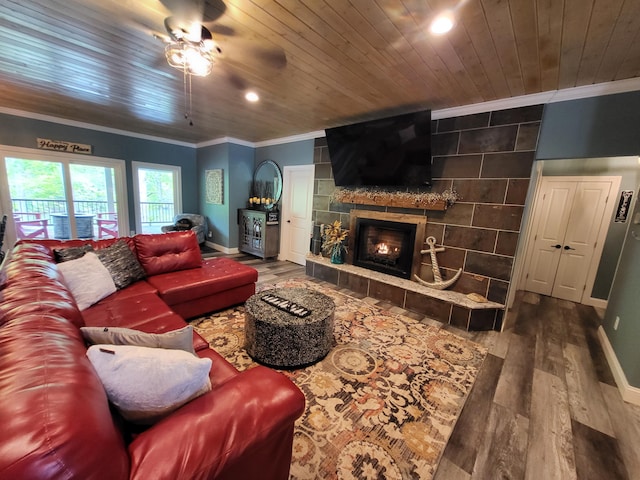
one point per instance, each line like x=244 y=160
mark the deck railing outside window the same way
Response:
x=153 y=214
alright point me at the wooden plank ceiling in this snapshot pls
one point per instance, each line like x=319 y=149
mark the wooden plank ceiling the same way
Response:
x=315 y=63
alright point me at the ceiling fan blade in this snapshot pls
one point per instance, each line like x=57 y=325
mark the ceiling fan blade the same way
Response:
x=222 y=30
x=145 y=18
x=234 y=79
x=185 y=10
x=250 y=53
x=195 y=10
x=213 y=10
x=185 y=20
x=275 y=58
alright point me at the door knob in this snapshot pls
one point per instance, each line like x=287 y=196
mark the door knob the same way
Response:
x=288 y=221
x=567 y=247
x=556 y=246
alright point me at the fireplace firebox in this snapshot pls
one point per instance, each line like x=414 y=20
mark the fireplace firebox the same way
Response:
x=384 y=246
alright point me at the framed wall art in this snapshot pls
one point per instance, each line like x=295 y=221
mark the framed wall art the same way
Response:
x=214 y=186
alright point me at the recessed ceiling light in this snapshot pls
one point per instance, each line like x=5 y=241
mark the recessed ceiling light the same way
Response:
x=251 y=96
x=442 y=23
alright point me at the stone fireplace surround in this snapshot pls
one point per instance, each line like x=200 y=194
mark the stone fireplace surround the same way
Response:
x=487 y=159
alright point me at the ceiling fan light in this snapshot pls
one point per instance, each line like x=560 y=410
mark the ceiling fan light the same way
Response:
x=200 y=65
x=191 y=54
x=194 y=33
x=174 y=55
x=200 y=69
x=208 y=45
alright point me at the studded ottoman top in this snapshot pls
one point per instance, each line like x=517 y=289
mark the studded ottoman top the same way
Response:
x=288 y=327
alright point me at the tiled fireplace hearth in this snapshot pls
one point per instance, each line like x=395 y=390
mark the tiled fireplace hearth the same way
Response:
x=447 y=306
x=385 y=276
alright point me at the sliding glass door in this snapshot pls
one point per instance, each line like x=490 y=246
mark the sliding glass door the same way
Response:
x=52 y=195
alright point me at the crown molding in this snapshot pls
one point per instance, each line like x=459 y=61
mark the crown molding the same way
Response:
x=552 y=96
x=597 y=90
x=223 y=140
x=291 y=139
x=493 y=105
x=91 y=126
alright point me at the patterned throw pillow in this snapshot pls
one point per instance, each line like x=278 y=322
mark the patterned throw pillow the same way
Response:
x=71 y=253
x=122 y=264
x=181 y=339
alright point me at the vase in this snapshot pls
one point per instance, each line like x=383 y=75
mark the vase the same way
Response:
x=337 y=255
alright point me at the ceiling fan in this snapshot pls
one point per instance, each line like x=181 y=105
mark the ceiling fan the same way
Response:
x=191 y=49
x=195 y=23
x=190 y=45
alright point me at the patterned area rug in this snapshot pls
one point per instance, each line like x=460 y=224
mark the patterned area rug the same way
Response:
x=382 y=404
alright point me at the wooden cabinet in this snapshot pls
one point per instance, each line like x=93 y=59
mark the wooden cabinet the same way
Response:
x=259 y=233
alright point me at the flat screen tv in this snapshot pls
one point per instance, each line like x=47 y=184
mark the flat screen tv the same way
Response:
x=393 y=151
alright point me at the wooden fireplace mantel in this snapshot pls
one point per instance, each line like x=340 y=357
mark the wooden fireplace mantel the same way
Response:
x=389 y=199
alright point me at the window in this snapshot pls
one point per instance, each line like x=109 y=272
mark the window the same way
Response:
x=157 y=194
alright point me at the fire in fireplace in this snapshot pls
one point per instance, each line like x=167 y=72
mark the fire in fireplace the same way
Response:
x=384 y=246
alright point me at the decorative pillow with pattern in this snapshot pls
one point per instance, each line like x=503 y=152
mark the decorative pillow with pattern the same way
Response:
x=71 y=253
x=122 y=264
x=181 y=339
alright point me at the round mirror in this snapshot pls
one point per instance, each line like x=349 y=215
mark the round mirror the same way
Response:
x=267 y=183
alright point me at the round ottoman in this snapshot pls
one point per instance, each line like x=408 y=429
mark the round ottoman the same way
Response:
x=288 y=327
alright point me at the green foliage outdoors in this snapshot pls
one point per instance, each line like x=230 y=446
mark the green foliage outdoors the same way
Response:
x=39 y=186
x=42 y=180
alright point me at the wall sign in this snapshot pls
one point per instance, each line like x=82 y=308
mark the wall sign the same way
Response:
x=61 y=146
x=623 y=206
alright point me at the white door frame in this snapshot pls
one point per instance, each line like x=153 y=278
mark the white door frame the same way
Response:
x=522 y=265
x=286 y=193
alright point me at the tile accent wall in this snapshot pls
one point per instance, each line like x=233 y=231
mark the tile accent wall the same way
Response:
x=486 y=158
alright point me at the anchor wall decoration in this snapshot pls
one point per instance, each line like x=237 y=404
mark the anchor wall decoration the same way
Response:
x=438 y=284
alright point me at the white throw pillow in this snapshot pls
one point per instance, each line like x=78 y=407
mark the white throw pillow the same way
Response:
x=145 y=383
x=88 y=279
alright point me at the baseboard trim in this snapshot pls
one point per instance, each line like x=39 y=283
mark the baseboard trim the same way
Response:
x=221 y=248
x=597 y=302
x=629 y=393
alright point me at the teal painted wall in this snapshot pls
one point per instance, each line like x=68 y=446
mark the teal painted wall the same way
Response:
x=605 y=126
x=23 y=132
x=237 y=162
x=287 y=154
x=625 y=303
x=210 y=158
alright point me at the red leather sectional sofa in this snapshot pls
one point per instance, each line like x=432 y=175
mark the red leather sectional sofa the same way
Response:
x=56 y=421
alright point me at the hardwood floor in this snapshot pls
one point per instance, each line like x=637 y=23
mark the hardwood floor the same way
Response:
x=544 y=405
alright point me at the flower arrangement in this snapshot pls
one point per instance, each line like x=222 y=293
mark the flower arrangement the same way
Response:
x=333 y=238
